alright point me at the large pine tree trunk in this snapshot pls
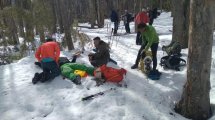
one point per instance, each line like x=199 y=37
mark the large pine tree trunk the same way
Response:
x=181 y=22
x=195 y=101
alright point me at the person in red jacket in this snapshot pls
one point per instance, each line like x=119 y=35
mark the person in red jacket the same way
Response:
x=48 y=55
x=108 y=74
x=141 y=17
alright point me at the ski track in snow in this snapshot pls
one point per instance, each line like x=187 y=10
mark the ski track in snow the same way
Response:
x=61 y=100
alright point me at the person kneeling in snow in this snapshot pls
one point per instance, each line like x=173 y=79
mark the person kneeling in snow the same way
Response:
x=75 y=71
x=102 y=55
x=47 y=54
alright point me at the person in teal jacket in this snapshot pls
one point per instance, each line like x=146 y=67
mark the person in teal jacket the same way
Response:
x=68 y=69
x=150 y=40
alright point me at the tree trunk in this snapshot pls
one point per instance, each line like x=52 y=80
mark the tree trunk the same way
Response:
x=195 y=100
x=101 y=7
x=181 y=22
x=92 y=6
x=65 y=11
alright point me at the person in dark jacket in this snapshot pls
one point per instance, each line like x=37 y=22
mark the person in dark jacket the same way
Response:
x=127 y=19
x=153 y=13
x=115 y=18
x=102 y=56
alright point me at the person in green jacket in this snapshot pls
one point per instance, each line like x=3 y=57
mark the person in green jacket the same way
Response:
x=68 y=69
x=150 y=40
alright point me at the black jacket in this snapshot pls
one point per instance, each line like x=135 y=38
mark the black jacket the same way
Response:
x=114 y=16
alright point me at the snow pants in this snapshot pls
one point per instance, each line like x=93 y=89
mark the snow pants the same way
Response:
x=50 y=70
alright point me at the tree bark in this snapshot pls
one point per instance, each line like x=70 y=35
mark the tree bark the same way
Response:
x=195 y=100
x=67 y=22
x=181 y=22
x=92 y=6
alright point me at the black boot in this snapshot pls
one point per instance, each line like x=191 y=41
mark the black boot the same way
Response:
x=135 y=66
x=36 y=78
x=77 y=80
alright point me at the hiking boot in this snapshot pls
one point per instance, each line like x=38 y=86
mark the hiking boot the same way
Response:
x=77 y=80
x=36 y=78
x=134 y=66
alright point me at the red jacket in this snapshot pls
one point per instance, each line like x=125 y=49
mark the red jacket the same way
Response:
x=48 y=50
x=142 y=17
x=112 y=74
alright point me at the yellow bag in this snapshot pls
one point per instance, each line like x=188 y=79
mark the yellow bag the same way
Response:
x=81 y=73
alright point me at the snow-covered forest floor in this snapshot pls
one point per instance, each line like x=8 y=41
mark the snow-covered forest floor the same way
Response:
x=60 y=99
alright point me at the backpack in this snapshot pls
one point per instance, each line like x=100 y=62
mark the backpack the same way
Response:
x=172 y=62
x=63 y=60
x=174 y=48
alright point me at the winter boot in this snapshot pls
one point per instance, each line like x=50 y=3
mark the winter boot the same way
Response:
x=36 y=78
x=77 y=80
x=134 y=66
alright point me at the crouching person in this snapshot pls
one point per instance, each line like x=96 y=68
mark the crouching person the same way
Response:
x=75 y=71
x=102 y=55
x=47 y=54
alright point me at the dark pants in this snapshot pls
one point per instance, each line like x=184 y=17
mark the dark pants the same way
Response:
x=115 y=27
x=154 y=49
x=138 y=39
x=50 y=70
x=127 y=28
x=151 y=21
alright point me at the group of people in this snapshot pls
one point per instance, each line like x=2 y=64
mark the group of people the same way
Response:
x=128 y=17
x=48 y=55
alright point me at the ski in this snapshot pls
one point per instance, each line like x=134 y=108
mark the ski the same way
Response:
x=90 y=97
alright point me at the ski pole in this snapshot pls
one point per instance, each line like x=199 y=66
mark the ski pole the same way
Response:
x=90 y=97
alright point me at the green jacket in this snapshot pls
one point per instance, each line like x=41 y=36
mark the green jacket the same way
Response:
x=68 y=69
x=150 y=36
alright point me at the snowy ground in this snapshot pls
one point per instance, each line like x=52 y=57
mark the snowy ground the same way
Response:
x=61 y=99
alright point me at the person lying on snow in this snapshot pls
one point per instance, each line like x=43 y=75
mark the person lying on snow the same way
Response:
x=75 y=72
x=108 y=74
x=151 y=40
x=48 y=55
x=102 y=55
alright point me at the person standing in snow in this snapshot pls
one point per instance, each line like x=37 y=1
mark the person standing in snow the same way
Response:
x=151 y=40
x=153 y=14
x=102 y=55
x=142 y=17
x=115 y=18
x=48 y=55
x=127 y=19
